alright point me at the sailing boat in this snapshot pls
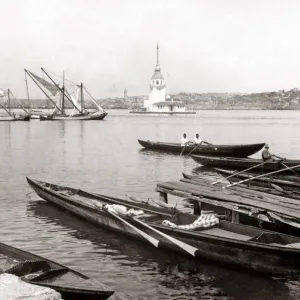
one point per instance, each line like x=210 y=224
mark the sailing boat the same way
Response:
x=11 y=115
x=52 y=90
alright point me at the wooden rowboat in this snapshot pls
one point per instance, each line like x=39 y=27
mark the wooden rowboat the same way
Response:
x=244 y=163
x=212 y=150
x=228 y=243
x=40 y=271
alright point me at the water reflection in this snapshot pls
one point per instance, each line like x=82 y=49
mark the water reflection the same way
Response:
x=175 y=276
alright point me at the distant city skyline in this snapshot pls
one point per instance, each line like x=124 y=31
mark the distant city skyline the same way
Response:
x=110 y=45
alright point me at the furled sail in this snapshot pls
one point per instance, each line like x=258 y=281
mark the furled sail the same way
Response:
x=53 y=89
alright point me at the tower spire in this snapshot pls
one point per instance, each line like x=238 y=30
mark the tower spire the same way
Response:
x=157 y=55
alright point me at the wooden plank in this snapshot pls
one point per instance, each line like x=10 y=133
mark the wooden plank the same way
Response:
x=259 y=203
x=250 y=194
x=244 y=209
x=228 y=195
x=235 y=217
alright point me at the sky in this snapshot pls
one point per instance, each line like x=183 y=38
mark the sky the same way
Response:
x=109 y=45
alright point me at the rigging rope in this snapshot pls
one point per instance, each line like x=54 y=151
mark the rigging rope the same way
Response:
x=62 y=77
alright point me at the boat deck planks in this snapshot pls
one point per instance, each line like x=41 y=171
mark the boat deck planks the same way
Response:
x=215 y=195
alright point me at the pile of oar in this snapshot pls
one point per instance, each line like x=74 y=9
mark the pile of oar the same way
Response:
x=152 y=240
x=276 y=198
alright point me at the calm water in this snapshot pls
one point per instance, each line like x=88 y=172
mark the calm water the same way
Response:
x=105 y=157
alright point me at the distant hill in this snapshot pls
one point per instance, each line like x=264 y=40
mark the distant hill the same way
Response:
x=266 y=100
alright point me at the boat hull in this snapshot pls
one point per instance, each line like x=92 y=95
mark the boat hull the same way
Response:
x=212 y=150
x=89 y=117
x=236 y=253
x=20 y=118
x=162 y=113
x=236 y=163
x=70 y=283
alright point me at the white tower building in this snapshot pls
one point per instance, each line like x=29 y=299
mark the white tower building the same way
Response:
x=157 y=86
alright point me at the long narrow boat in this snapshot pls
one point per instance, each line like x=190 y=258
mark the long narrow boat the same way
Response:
x=229 y=243
x=90 y=116
x=40 y=271
x=212 y=150
x=244 y=163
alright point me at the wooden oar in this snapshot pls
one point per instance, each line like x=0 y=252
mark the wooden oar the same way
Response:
x=281 y=190
x=150 y=201
x=278 y=171
x=289 y=168
x=146 y=236
x=209 y=144
x=194 y=149
x=182 y=150
x=189 y=249
x=240 y=172
x=278 y=188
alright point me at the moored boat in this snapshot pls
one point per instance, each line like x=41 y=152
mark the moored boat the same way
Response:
x=60 y=117
x=167 y=228
x=244 y=163
x=212 y=150
x=58 y=95
x=40 y=271
x=11 y=116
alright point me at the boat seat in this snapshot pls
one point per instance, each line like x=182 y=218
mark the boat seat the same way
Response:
x=50 y=273
x=28 y=267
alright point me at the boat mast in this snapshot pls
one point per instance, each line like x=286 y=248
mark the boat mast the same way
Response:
x=63 y=91
x=42 y=90
x=27 y=92
x=8 y=97
x=81 y=96
x=8 y=111
x=63 y=95
x=19 y=103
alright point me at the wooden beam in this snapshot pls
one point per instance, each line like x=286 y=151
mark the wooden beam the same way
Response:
x=235 y=217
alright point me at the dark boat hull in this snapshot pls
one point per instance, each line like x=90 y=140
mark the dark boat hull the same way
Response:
x=23 y=118
x=237 y=253
x=212 y=150
x=88 y=117
x=11 y=118
x=70 y=284
x=245 y=163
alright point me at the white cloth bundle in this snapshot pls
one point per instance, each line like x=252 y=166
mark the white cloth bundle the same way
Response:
x=122 y=210
x=203 y=221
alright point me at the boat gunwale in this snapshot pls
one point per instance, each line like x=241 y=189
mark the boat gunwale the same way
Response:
x=61 y=287
x=204 y=146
